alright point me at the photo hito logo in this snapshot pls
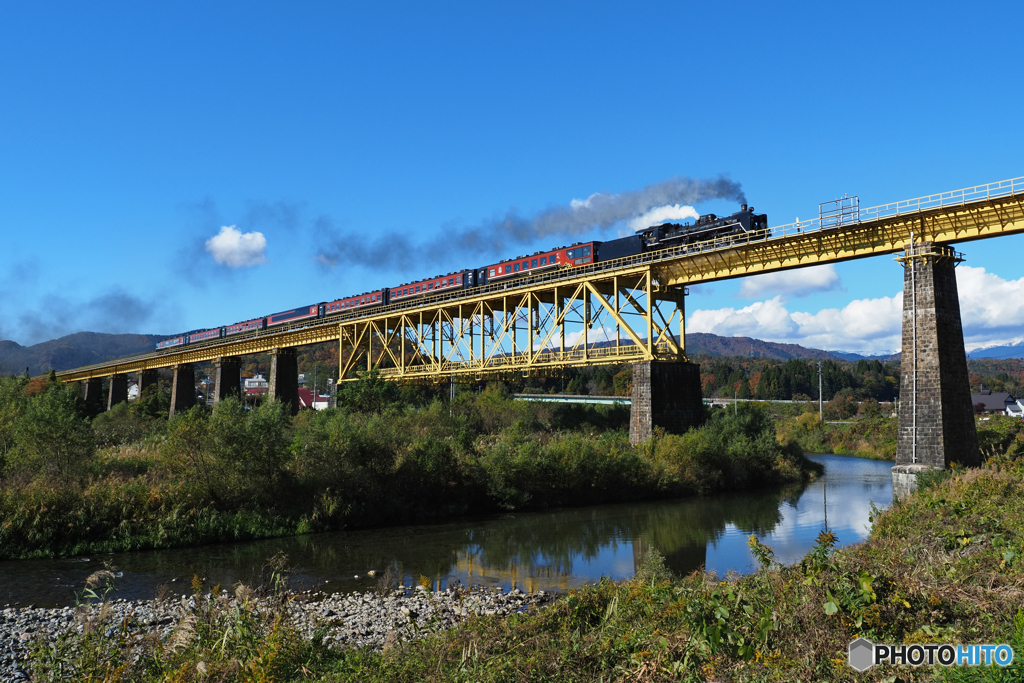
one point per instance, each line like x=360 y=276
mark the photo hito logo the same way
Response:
x=863 y=654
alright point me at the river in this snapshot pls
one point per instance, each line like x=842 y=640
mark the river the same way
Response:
x=533 y=550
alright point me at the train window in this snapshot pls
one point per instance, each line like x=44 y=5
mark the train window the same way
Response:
x=451 y=281
x=526 y=264
x=586 y=251
x=543 y=260
x=516 y=267
x=533 y=263
x=492 y=272
x=569 y=253
x=458 y=279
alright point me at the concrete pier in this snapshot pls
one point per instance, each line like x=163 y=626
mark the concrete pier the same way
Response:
x=147 y=379
x=118 y=390
x=227 y=378
x=183 y=390
x=92 y=392
x=284 y=377
x=666 y=394
x=936 y=419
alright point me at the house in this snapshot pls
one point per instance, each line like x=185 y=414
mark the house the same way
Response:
x=995 y=402
x=1016 y=409
x=308 y=400
x=256 y=386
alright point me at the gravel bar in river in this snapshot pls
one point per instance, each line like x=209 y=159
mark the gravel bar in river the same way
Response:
x=350 y=620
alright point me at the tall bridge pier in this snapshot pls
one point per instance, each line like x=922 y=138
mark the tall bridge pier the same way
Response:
x=227 y=379
x=936 y=419
x=118 y=390
x=284 y=377
x=666 y=394
x=183 y=389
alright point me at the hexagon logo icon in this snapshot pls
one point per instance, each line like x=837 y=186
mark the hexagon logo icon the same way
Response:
x=862 y=654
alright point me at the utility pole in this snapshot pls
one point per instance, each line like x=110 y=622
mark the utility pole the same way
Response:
x=821 y=410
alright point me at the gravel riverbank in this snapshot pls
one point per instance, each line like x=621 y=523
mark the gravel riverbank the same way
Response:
x=347 y=620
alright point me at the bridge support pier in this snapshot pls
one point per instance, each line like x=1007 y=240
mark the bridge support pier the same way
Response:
x=666 y=394
x=92 y=392
x=118 y=390
x=284 y=377
x=147 y=379
x=183 y=389
x=227 y=378
x=936 y=419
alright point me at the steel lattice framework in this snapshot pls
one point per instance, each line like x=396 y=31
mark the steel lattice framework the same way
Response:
x=626 y=310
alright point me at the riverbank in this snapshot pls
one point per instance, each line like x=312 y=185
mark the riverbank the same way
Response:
x=127 y=480
x=874 y=436
x=944 y=565
x=66 y=640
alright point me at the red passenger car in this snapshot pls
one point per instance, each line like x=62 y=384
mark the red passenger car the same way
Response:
x=572 y=256
x=353 y=302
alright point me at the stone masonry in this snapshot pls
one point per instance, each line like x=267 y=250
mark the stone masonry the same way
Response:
x=183 y=389
x=284 y=377
x=118 y=392
x=666 y=394
x=227 y=378
x=944 y=415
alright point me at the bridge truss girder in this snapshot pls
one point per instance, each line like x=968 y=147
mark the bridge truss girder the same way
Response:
x=598 y=318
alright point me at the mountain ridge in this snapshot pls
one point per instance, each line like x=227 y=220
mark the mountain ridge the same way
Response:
x=87 y=348
x=72 y=351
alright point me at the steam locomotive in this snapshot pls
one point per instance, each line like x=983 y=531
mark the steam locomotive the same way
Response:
x=705 y=229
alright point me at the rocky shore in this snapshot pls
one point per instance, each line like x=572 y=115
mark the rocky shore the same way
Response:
x=344 y=620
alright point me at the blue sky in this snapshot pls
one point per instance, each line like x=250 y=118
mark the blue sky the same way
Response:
x=131 y=135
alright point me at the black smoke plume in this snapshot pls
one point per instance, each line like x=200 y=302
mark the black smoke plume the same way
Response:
x=500 y=236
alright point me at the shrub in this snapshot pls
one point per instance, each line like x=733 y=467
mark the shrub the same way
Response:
x=51 y=439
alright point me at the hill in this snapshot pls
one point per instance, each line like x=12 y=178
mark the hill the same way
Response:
x=72 y=351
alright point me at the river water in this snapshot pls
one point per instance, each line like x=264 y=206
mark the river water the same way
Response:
x=534 y=550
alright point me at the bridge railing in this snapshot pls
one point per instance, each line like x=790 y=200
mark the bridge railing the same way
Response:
x=962 y=197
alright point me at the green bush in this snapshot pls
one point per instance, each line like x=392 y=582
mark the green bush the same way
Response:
x=51 y=439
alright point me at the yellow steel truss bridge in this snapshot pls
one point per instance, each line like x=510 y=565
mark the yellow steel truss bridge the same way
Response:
x=620 y=311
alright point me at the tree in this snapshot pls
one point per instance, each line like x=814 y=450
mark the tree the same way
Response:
x=371 y=393
x=187 y=443
x=51 y=438
x=12 y=402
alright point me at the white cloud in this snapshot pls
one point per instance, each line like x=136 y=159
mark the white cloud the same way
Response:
x=236 y=249
x=662 y=214
x=799 y=282
x=869 y=326
x=991 y=308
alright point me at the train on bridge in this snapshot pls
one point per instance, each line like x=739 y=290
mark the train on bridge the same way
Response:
x=706 y=228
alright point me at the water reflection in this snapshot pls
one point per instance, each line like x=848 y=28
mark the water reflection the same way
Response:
x=552 y=550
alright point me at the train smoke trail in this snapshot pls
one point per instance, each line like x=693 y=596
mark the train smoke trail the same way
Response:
x=599 y=212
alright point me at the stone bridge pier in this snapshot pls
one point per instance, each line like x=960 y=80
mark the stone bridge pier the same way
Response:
x=936 y=419
x=284 y=377
x=666 y=394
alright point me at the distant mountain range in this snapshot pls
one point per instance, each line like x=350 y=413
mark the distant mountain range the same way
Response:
x=1008 y=351
x=72 y=351
x=713 y=345
x=86 y=348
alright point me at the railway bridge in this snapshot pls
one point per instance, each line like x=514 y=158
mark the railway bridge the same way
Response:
x=631 y=310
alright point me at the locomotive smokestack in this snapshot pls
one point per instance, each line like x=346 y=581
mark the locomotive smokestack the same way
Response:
x=743 y=207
